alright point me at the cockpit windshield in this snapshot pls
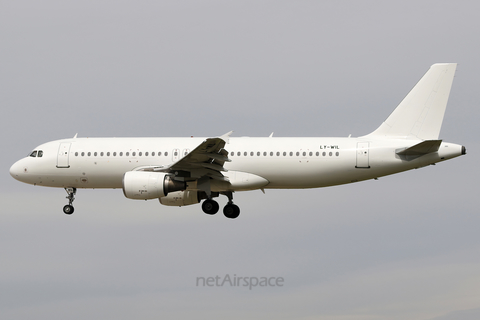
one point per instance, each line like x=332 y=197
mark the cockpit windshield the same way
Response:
x=36 y=153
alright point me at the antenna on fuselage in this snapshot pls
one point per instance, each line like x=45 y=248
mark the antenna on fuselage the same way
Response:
x=75 y=135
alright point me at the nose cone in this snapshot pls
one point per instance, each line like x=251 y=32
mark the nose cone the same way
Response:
x=16 y=170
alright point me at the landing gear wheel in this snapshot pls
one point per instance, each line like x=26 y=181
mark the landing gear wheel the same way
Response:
x=68 y=209
x=210 y=206
x=231 y=211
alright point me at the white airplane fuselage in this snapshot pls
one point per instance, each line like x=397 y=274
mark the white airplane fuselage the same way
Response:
x=284 y=163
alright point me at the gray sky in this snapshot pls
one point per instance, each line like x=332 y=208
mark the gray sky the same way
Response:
x=406 y=246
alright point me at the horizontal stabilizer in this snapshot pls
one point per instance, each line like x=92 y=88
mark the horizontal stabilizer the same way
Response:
x=419 y=149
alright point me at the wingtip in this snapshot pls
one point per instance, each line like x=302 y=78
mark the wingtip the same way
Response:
x=226 y=136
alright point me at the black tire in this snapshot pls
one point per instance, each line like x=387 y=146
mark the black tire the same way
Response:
x=231 y=211
x=68 y=209
x=210 y=206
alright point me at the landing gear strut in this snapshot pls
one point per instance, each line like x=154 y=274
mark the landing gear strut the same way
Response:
x=210 y=206
x=68 y=209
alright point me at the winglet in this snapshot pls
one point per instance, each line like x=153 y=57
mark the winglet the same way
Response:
x=226 y=136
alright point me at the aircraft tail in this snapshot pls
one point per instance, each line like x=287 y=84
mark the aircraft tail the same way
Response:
x=420 y=114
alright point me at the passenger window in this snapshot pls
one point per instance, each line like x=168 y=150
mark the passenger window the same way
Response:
x=139 y=154
x=166 y=154
x=337 y=154
x=258 y=153
x=317 y=154
x=153 y=154
x=40 y=153
x=89 y=154
x=271 y=154
x=264 y=154
x=291 y=153
x=114 y=154
x=324 y=153
x=120 y=154
x=251 y=153
x=310 y=154
x=101 y=154
x=95 y=154
x=127 y=154
x=33 y=154
x=304 y=153
x=298 y=153
x=133 y=154
x=83 y=154
x=232 y=153
x=330 y=154
x=76 y=154
x=238 y=153
x=146 y=154
x=245 y=153
x=159 y=154
x=278 y=153
x=284 y=153
x=108 y=154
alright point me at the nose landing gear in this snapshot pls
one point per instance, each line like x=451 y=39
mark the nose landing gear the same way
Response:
x=68 y=209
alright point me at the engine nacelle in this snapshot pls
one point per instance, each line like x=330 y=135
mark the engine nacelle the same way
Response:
x=143 y=185
x=180 y=198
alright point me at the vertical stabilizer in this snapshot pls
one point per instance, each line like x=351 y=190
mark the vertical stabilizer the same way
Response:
x=420 y=114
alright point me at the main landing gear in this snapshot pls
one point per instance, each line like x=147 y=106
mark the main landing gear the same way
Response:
x=230 y=211
x=210 y=206
x=68 y=209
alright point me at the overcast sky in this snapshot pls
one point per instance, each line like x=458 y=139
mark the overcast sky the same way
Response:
x=403 y=247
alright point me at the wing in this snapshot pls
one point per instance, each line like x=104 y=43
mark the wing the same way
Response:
x=205 y=161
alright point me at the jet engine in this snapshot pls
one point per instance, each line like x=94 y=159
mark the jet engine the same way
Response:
x=181 y=198
x=143 y=185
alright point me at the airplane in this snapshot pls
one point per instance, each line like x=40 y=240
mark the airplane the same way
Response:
x=186 y=171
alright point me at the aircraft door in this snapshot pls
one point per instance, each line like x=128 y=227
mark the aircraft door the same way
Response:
x=63 y=155
x=363 y=155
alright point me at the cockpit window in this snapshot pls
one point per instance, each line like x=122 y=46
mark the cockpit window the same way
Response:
x=33 y=154
x=40 y=153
